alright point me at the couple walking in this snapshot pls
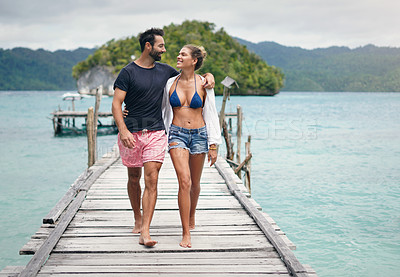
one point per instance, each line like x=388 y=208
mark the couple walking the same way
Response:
x=160 y=101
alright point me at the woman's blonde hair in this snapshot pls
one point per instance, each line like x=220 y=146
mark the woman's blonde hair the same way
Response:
x=199 y=53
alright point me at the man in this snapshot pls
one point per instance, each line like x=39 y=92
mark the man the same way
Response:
x=142 y=137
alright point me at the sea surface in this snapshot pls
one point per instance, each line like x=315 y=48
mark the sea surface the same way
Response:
x=325 y=166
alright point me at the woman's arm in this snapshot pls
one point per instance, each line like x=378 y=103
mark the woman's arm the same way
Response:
x=166 y=108
x=211 y=119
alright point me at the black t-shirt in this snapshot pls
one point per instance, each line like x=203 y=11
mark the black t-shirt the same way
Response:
x=144 y=93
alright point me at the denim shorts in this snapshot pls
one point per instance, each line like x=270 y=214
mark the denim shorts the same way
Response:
x=193 y=140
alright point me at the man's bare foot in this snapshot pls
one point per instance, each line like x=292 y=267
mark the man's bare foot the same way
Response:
x=137 y=229
x=186 y=243
x=147 y=241
x=192 y=223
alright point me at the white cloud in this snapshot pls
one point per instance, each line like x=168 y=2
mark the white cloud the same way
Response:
x=70 y=24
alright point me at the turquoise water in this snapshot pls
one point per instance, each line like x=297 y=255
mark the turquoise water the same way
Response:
x=326 y=167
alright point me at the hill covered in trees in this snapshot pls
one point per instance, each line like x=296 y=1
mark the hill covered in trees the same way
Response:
x=368 y=68
x=26 y=69
x=225 y=57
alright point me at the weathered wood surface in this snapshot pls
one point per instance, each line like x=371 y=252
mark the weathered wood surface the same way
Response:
x=227 y=240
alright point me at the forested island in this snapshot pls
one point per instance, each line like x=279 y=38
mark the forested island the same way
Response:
x=367 y=68
x=226 y=57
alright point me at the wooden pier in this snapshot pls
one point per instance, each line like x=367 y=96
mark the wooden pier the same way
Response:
x=64 y=123
x=88 y=233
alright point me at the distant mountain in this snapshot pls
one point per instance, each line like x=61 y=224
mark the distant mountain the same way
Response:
x=26 y=69
x=367 y=68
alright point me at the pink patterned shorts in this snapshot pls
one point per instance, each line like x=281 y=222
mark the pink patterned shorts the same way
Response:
x=149 y=147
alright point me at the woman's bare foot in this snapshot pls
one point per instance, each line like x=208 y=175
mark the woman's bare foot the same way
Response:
x=186 y=243
x=147 y=241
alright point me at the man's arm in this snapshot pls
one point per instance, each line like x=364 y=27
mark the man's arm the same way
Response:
x=125 y=135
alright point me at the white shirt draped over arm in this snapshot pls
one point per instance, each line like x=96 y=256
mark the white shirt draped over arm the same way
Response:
x=210 y=114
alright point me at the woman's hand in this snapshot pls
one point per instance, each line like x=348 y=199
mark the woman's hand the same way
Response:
x=212 y=154
x=125 y=112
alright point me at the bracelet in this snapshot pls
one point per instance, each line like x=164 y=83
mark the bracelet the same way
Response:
x=212 y=148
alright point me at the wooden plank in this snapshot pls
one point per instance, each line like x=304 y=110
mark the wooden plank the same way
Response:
x=249 y=257
x=174 y=230
x=115 y=183
x=138 y=260
x=34 y=244
x=266 y=269
x=167 y=274
x=166 y=243
x=124 y=204
x=162 y=218
x=119 y=194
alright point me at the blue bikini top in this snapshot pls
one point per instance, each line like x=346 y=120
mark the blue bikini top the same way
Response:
x=195 y=103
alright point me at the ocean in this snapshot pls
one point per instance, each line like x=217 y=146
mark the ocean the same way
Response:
x=325 y=166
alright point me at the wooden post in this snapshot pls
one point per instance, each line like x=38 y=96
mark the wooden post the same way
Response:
x=99 y=93
x=222 y=112
x=242 y=164
x=90 y=133
x=248 y=165
x=228 y=141
x=73 y=109
x=239 y=132
x=230 y=124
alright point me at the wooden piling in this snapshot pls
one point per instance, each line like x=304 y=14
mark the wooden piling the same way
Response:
x=90 y=137
x=248 y=165
x=239 y=132
x=99 y=93
x=222 y=112
x=228 y=141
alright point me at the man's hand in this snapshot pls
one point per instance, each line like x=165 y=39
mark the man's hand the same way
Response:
x=127 y=139
x=209 y=81
x=212 y=154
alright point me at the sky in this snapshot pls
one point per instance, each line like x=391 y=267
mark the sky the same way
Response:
x=310 y=24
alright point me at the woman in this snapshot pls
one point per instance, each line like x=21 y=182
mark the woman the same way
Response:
x=194 y=131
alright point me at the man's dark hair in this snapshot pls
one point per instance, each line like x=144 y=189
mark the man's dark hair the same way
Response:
x=149 y=36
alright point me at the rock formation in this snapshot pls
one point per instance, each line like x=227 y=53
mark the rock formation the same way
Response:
x=89 y=81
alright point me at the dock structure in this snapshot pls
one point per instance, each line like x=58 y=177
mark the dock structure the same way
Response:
x=64 y=123
x=88 y=233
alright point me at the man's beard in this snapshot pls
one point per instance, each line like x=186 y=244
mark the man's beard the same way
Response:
x=155 y=55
